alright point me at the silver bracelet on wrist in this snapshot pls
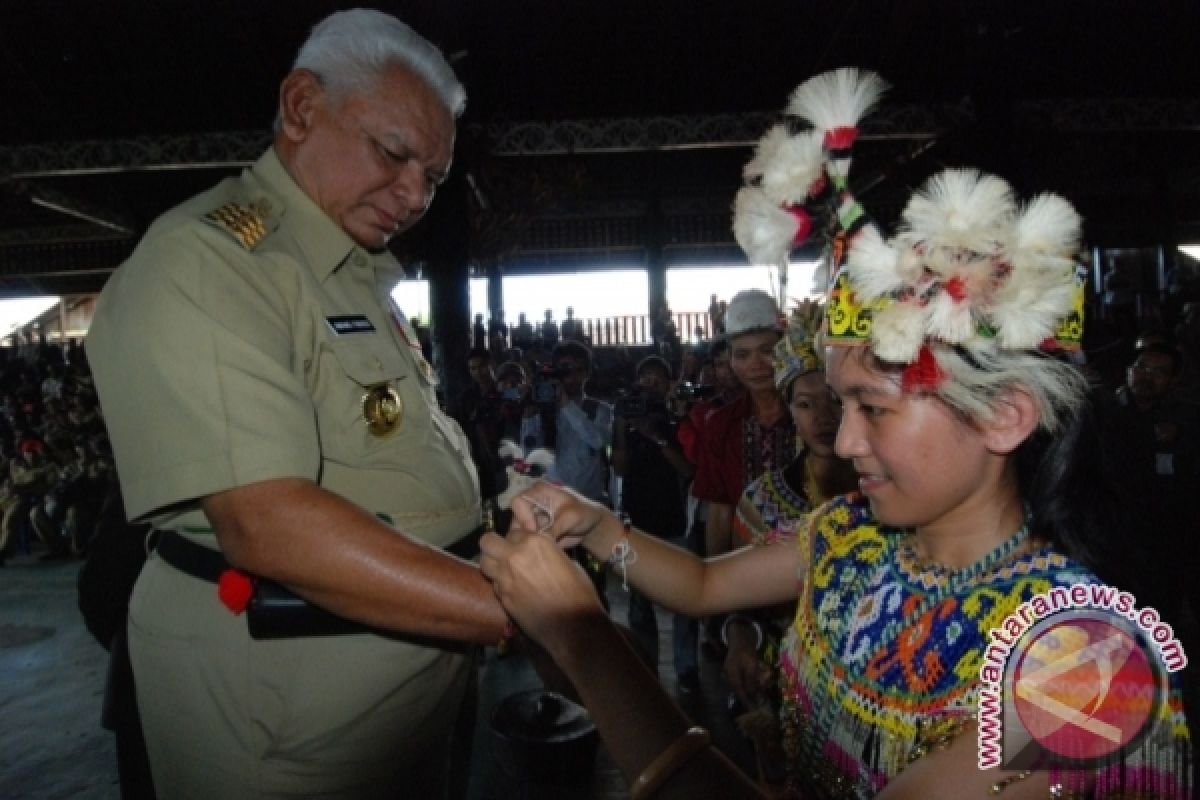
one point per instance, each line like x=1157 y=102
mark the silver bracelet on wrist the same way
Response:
x=758 y=631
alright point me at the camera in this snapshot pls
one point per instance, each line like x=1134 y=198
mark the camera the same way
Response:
x=511 y=395
x=632 y=406
x=546 y=380
x=691 y=392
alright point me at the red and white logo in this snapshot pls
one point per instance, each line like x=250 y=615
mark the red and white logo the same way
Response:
x=1084 y=686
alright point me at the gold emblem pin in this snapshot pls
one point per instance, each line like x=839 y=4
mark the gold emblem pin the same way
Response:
x=382 y=409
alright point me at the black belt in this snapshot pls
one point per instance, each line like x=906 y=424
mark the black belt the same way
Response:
x=275 y=612
x=186 y=556
x=207 y=564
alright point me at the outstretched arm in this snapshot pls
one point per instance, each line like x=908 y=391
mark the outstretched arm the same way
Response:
x=556 y=605
x=672 y=577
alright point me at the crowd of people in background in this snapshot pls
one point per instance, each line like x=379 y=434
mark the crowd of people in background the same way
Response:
x=56 y=473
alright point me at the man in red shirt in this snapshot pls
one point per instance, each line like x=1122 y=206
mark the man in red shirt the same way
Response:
x=754 y=432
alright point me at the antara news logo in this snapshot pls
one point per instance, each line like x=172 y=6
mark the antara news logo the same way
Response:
x=1073 y=676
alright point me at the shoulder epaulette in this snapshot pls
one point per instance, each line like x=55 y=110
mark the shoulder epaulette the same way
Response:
x=248 y=224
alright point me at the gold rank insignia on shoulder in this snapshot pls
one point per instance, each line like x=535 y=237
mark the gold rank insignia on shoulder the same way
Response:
x=248 y=224
x=382 y=409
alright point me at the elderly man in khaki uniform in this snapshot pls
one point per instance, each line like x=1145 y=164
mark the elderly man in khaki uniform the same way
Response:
x=265 y=401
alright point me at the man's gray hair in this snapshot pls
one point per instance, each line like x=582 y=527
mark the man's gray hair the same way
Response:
x=349 y=50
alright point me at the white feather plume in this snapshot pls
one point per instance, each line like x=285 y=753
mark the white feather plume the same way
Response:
x=509 y=451
x=837 y=99
x=874 y=264
x=897 y=332
x=1027 y=325
x=763 y=230
x=960 y=208
x=765 y=152
x=948 y=319
x=787 y=164
x=1029 y=305
x=1048 y=225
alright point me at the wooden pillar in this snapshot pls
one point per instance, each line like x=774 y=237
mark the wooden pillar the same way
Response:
x=449 y=289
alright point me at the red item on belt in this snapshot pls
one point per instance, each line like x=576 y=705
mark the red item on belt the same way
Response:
x=234 y=589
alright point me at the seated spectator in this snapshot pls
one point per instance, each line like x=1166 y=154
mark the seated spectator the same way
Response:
x=33 y=476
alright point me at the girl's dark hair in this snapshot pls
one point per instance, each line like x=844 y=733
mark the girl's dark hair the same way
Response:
x=1089 y=503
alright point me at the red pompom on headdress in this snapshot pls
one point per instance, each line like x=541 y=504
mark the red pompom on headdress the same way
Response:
x=924 y=374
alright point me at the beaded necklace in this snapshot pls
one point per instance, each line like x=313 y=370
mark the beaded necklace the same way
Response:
x=940 y=579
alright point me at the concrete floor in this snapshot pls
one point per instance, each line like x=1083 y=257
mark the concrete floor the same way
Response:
x=51 y=686
x=52 y=675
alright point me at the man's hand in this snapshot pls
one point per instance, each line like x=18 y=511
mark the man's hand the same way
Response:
x=744 y=669
x=558 y=511
x=545 y=592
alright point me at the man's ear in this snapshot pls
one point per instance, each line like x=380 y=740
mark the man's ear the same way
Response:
x=1014 y=418
x=300 y=94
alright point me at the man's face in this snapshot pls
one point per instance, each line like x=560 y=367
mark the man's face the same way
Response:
x=654 y=383
x=574 y=374
x=1149 y=376
x=752 y=357
x=372 y=160
x=481 y=372
x=723 y=375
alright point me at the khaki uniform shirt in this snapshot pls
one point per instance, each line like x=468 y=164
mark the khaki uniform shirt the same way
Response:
x=238 y=344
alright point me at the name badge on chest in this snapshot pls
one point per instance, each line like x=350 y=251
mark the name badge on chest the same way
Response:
x=351 y=323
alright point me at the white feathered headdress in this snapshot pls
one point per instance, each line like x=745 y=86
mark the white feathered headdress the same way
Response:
x=968 y=267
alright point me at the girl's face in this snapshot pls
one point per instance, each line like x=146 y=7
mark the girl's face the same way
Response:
x=752 y=357
x=918 y=463
x=814 y=413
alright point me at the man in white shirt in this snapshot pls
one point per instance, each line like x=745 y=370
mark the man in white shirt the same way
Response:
x=584 y=425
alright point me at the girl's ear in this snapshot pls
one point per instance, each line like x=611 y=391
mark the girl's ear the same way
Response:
x=1015 y=417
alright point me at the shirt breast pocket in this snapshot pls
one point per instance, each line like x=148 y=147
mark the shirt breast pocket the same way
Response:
x=367 y=398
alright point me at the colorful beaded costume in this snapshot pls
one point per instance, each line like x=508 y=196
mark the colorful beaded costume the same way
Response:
x=769 y=510
x=883 y=659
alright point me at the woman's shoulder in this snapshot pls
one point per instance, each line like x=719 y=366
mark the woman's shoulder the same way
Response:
x=845 y=525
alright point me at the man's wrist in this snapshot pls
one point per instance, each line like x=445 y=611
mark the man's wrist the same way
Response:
x=599 y=541
x=737 y=626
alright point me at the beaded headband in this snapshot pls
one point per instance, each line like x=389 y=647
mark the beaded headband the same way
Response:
x=968 y=267
x=798 y=352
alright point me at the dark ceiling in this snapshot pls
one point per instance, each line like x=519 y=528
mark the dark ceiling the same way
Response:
x=1096 y=99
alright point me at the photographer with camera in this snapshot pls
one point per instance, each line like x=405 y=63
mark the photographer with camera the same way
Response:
x=583 y=425
x=654 y=474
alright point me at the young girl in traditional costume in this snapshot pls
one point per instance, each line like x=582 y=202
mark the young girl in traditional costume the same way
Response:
x=969 y=435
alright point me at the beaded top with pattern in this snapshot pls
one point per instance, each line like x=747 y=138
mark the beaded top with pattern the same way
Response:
x=882 y=661
x=769 y=509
